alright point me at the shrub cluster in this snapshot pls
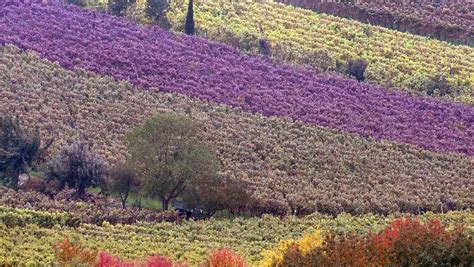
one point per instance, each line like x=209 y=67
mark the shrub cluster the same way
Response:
x=405 y=242
x=68 y=253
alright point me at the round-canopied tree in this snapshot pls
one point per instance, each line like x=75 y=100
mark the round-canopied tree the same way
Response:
x=169 y=158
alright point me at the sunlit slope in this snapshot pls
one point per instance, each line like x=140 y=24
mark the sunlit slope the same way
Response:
x=323 y=41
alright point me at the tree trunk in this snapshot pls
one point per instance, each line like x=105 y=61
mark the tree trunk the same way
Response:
x=165 y=204
x=124 y=200
x=81 y=190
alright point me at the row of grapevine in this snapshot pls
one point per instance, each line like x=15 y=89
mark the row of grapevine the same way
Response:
x=94 y=209
x=190 y=241
x=152 y=58
x=301 y=36
x=445 y=20
x=285 y=166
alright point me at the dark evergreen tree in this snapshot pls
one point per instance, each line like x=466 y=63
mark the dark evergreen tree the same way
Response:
x=189 y=25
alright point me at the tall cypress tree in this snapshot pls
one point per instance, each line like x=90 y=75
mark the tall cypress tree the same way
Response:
x=189 y=25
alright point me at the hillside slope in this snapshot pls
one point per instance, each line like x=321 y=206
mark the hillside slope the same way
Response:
x=294 y=35
x=284 y=166
x=444 y=20
x=152 y=58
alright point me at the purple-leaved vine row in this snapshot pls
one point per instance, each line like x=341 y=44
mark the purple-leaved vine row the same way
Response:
x=154 y=59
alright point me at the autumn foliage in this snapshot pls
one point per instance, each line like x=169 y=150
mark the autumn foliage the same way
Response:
x=225 y=258
x=405 y=242
x=68 y=253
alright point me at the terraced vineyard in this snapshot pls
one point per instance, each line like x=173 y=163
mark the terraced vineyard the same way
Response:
x=359 y=173
x=292 y=167
x=210 y=71
x=444 y=20
x=190 y=240
x=304 y=37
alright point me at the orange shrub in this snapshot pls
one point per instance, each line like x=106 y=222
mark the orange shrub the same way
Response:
x=68 y=253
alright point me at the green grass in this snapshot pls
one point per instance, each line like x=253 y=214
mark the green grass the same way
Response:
x=147 y=203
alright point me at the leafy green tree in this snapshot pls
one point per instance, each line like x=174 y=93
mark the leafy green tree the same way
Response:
x=217 y=193
x=19 y=149
x=189 y=24
x=78 y=167
x=119 y=7
x=169 y=158
x=123 y=181
x=156 y=9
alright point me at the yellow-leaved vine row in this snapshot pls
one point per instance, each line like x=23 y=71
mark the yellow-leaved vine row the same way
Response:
x=253 y=238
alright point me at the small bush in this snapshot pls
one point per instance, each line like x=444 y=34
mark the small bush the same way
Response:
x=294 y=253
x=38 y=184
x=69 y=254
x=224 y=258
x=437 y=85
x=78 y=167
x=119 y=7
x=356 y=68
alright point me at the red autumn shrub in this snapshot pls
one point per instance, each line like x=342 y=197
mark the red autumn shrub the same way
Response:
x=158 y=261
x=106 y=260
x=409 y=242
x=225 y=258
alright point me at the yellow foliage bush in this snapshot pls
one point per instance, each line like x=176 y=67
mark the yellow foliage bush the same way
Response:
x=306 y=244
